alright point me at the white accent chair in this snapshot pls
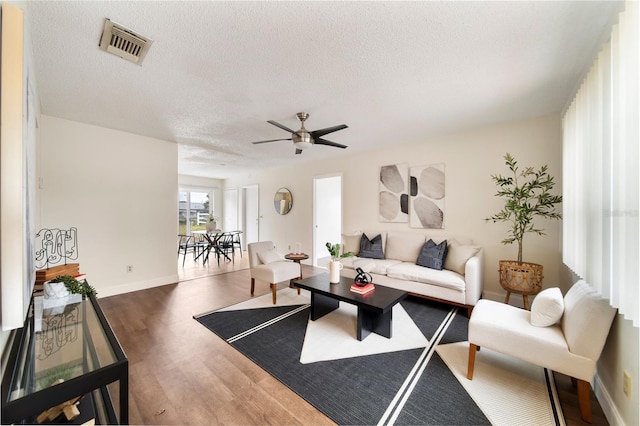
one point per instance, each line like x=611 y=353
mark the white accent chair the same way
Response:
x=267 y=265
x=572 y=346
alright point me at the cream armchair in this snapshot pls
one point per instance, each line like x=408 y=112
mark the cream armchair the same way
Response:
x=268 y=265
x=571 y=346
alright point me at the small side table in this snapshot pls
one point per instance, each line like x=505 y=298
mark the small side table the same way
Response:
x=297 y=257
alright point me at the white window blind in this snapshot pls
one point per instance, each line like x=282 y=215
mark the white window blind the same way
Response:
x=600 y=170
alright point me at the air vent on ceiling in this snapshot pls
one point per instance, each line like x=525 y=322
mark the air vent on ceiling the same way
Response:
x=123 y=42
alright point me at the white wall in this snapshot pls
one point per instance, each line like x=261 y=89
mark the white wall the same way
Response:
x=120 y=191
x=470 y=159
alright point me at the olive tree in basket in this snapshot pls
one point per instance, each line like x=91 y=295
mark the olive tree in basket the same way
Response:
x=527 y=196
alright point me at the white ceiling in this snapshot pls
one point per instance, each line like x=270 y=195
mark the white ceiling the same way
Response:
x=395 y=72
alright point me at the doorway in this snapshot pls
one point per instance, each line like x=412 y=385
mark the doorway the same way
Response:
x=327 y=216
x=250 y=214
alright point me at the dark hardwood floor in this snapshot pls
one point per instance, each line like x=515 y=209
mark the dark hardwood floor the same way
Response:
x=181 y=373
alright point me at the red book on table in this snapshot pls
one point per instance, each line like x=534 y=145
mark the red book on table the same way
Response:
x=362 y=289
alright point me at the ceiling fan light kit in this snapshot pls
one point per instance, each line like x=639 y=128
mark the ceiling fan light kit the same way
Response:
x=302 y=138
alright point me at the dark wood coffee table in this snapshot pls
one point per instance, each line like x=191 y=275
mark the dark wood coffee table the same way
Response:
x=374 y=309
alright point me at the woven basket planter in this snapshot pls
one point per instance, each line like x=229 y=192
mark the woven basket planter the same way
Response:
x=522 y=278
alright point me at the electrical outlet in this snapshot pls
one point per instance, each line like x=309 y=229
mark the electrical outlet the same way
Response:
x=289 y=247
x=626 y=384
x=129 y=268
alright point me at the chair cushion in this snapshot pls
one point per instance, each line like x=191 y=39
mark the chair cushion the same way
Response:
x=547 y=308
x=276 y=272
x=269 y=256
x=432 y=255
x=457 y=256
x=586 y=320
x=371 y=248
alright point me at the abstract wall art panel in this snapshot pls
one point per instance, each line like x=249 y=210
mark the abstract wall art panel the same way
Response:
x=394 y=193
x=427 y=195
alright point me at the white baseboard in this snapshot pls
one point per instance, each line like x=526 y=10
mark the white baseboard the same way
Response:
x=135 y=286
x=606 y=402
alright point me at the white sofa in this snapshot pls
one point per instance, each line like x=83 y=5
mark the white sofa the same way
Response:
x=459 y=283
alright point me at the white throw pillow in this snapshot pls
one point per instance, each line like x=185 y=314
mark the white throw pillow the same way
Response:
x=547 y=308
x=269 y=256
x=351 y=243
x=457 y=256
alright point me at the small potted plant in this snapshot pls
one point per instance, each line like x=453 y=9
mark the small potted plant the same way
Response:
x=212 y=225
x=75 y=286
x=527 y=196
x=334 y=264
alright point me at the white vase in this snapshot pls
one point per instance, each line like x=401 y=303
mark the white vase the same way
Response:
x=212 y=226
x=334 y=271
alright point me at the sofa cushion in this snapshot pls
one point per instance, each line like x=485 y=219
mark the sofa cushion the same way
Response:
x=457 y=256
x=269 y=256
x=404 y=246
x=371 y=248
x=547 y=308
x=351 y=243
x=412 y=272
x=374 y=266
x=432 y=255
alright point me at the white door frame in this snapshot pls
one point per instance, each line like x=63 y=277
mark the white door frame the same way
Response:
x=244 y=219
x=317 y=206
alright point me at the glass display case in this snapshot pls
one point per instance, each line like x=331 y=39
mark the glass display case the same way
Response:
x=66 y=349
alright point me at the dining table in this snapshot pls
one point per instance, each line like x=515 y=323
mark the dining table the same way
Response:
x=211 y=242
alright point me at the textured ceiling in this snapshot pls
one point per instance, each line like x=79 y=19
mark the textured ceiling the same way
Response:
x=395 y=72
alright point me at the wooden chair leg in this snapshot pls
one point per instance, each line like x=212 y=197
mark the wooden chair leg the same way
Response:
x=525 y=299
x=472 y=360
x=506 y=299
x=253 y=285
x=274 y=289
x=584 y=389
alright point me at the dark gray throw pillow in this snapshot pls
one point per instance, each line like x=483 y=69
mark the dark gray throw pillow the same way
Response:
x=433 y=255
x=371 y=248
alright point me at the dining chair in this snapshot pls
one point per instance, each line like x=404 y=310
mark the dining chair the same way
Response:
x=185 y=245
x=237 y=242
x=201 y=244
x=225 y=247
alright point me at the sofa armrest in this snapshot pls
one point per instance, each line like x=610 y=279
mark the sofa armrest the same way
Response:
x=473 y=273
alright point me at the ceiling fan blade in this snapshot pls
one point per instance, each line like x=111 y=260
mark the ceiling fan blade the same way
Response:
x=321 y=141
x=319 y=133
x=282 y=126
x=271 y=140
x=298 y=151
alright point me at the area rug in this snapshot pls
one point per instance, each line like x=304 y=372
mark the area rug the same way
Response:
x=416 y=377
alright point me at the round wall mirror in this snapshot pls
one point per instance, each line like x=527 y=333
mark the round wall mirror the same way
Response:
x=283 y=201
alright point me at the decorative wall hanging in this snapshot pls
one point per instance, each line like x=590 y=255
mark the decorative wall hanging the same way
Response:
x=56 y=246
x=394 y=193
x=427 y=193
